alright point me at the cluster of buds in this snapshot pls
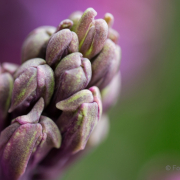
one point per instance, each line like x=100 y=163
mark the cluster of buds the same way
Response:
x=54 y=105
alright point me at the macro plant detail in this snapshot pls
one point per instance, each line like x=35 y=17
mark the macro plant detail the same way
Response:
x=53 y=107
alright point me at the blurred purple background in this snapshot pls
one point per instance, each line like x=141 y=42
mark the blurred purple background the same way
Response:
x=139 y=23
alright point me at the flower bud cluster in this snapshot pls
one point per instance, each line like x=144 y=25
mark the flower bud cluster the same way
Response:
x=54 y=105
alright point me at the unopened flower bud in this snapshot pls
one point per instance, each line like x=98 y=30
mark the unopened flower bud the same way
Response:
x=65 y=24
x=60 y=44
x=99 y=133
x=35 y=44
x=72 y=74
x=50 y=138
x=112 y=34
x=8 y=68
x=75 y=17
x=18 y=147
x=92 y=33
x=34 y=79
x=108 y=60
x=76 y=125
x=6 y=87
x=26 y=141
x=113 y=91
x=113 y=69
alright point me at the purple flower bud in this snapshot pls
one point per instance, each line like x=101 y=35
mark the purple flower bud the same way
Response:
x=33 y=116
x=99 y=133
x=30 y=63
x=109 y=61
x=95 y=39
x=50 y=138
x=65 y=24
x=18 y=141
x=73 y=102
x=76 y=127
x=72 y=74
x=97 y=136
x=92 y=33
x=34 y=79
x=8 y=68
x=112 y=34
x=113 y=90
x=113 y=69
x=18 y=149
x=87 y=19
x=75 y=17
x=35 y=44
x=6 y=86
x=60 y=44
x=25 y=142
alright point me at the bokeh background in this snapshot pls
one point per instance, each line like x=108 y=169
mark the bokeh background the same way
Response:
x=144 y=136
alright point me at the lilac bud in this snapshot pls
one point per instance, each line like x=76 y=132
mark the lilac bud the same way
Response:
x=99 y=133
x=25 y=142
x=60 y=44
x=113 y=90
x=18 y=150
x=84 y=24
x=113 y=69
x=92 y=33
x=6 y=86
x=35 y=44
x=65 y=24
x=75 y=17
x=18 y=141
x=8 y=68
x=33 y=116
x=109 y=61
x=51 y=137
x=73 y=102
x=76 y=127
x=32 y=81
x=30 y=63
x=72 y=74
x=112 y=34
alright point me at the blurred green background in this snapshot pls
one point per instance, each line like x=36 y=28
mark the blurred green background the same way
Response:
x=145 y=123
